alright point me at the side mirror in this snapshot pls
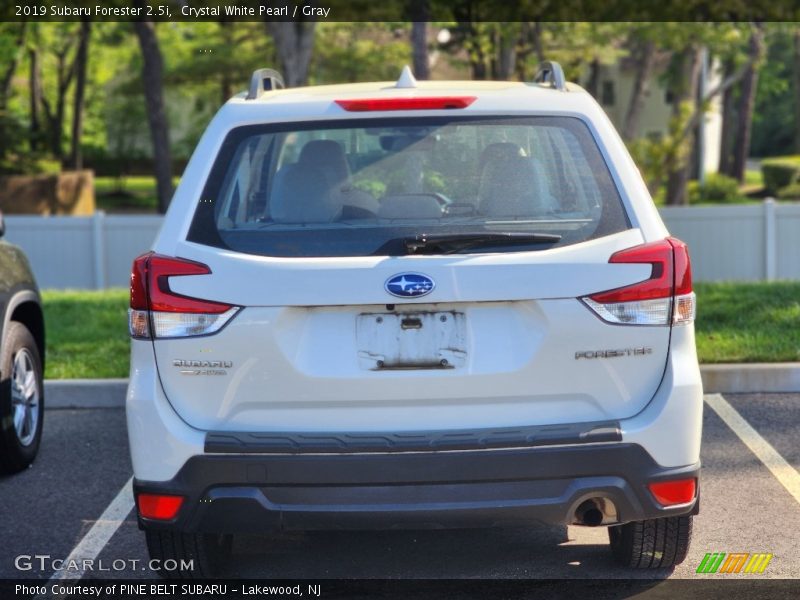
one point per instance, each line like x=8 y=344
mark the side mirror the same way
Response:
x=2 y=225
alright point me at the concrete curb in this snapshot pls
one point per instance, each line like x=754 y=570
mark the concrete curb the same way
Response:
x=751 y=378
x=723 y=379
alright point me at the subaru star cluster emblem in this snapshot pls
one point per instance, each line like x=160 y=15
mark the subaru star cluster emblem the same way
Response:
x=409 y=285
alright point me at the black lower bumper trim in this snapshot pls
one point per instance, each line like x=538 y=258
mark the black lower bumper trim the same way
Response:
x=264 y=493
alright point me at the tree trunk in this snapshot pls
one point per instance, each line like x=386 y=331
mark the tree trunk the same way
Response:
x=593 y=83
x=747 y=101
x=796 y=78
x=506 y=54
x=5 y=87
x=686 y=91
x=8 y=74
x=55 y=121
x=728 y=125
x=645 y=62
x=153 y=78
x=35 y=92
x=75 y=160
x=294 y=43
x=419 y=46
x=226 y=81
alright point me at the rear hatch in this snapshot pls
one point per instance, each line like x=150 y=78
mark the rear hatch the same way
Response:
x=400 y=275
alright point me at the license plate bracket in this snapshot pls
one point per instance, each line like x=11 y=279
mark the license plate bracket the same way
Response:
x=411 y=340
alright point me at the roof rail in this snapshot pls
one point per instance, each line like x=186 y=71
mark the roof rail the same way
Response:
x=264 y=80
x=551 y=71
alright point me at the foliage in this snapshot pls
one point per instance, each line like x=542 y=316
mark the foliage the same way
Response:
x=790 y=192
x=655 y=156
x=774 y=117
x=716 y=189
x=207 y=62
x=370 y=52
x=780 y=172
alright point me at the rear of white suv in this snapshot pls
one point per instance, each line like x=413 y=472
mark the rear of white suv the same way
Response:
x=413 y=305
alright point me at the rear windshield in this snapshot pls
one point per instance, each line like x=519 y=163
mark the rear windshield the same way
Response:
x=366 y=187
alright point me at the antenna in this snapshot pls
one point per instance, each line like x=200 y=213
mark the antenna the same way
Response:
x=406 y=79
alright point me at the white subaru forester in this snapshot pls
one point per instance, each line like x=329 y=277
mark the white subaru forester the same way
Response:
x=436 y=304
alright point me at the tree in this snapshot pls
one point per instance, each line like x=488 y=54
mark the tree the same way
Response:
x=728 y=123
x=644 y=55
x=796 y=85
x=747 y=102
x=75 y=160
x=153 y=78
x=294 y=43
x=12 y=45
x=684 y=91
x=58 y=43
x=419 y=45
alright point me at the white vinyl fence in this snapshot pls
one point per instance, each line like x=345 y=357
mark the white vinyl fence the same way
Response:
x=83 y=252
x=752 y=242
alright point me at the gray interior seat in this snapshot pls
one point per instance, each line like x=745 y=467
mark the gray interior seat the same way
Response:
x=302 y=195
x=328 y=157
x=514 y=186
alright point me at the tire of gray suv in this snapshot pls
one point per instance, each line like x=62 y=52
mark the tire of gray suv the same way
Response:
x=651 y=544
x=21 y=393
x=194 y=555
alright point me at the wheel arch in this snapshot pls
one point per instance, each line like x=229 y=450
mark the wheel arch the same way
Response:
x=25 y=307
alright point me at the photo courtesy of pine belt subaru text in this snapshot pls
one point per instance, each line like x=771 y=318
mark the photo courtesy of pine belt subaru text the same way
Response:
x=413 y=304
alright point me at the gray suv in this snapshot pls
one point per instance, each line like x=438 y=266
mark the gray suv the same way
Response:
x=21 y=360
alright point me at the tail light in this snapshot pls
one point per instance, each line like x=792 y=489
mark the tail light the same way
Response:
x=671 y=493
x=160 y=507
x=665 y=297
x=158 y=312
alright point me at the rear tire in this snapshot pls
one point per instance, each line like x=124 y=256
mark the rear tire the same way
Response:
x=21 y=399
x=188 y=555
x=652 y=544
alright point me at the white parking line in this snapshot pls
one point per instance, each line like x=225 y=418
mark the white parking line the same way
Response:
x=98 y=536
x=782 y=470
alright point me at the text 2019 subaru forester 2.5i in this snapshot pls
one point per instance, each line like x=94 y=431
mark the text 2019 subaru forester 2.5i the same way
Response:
x=413 y=304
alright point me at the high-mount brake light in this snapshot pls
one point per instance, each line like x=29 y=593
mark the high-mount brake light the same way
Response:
x=157 y=311
x=418 y=103
x=663 y=298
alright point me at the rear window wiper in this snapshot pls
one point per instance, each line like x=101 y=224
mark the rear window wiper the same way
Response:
x=449 y=243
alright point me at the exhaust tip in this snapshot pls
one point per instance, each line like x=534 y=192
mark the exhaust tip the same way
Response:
x=589 y=513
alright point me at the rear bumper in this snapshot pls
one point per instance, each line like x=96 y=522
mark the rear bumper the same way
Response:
x=262 y=493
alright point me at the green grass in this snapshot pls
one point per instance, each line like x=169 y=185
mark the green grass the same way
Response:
x=87 y=332
x=133 y=193
x=748 y=322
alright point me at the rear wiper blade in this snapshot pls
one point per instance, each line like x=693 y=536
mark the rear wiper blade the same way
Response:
x=453 y=242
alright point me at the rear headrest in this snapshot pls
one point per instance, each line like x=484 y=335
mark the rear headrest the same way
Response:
x=327 y=155
x=303 y=196
x=499 y=151
x=510 y=187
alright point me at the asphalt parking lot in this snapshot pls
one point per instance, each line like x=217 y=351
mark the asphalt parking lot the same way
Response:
x=83 y=465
